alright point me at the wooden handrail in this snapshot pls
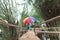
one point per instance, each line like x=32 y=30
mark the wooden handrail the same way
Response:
x=49 y=32
x=46 y=28
x=52 y=19
x=8 y=24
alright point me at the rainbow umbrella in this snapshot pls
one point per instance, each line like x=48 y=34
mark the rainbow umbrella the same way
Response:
x=29 y=20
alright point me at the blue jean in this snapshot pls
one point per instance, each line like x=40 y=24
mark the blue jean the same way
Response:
x=28 y=26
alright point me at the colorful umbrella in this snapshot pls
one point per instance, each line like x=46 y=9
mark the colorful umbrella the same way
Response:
x=29 y=20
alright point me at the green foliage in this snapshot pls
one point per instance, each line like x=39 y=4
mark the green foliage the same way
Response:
x=37 y=16
x=7 y=10
x=29 y=1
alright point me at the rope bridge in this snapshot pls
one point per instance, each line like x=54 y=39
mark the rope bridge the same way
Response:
x=43 y=32
x=8 y=24
x=11 y=25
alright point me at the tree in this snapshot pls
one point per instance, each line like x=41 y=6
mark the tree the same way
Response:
x=7 y=10
x=49 y=9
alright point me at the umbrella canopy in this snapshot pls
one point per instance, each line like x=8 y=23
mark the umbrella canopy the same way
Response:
x=33 y=19
x=29 y=20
